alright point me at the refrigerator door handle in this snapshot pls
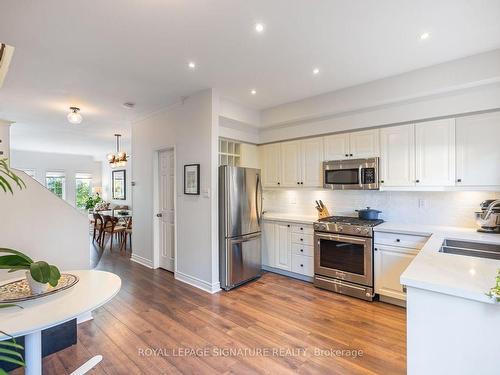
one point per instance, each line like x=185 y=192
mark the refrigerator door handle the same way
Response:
x=258 y=200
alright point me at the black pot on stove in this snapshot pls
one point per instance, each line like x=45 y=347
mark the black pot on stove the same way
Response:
x=368 y=214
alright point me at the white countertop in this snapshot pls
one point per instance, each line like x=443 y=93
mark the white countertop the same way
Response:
x=293 y=218
x=457 y=275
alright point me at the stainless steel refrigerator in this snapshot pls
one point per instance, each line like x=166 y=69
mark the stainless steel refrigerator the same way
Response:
x=240 y=217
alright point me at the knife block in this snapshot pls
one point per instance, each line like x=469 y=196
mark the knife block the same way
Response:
x=323 y=213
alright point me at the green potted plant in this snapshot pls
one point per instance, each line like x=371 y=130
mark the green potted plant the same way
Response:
x=9 y=350
x=91 y=202
x=494 y=292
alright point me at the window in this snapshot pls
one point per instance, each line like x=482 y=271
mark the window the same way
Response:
x=83 y=189
x=56 y=183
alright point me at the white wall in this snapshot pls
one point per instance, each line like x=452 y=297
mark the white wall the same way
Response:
x=43 y=162
x=44 y=227
x=192 y=127
x=436 y=208
x=4 y=139
x=107 y=184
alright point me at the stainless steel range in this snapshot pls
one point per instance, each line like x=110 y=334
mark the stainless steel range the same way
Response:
x=343 y=255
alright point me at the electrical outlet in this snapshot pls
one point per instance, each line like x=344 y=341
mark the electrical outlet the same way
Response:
x=422 y=203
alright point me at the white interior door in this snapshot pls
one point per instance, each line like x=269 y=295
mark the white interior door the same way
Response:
x=166 y=213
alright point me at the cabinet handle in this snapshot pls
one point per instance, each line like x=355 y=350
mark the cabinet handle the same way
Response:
x=376 y=249
x=301 y=228
x=302 y=239
x=346 y=155
x=301 y=250
x=298 y=183
x=417 y=181
x=350 y=154
x=302 y=265
x=381 y=181
x=302 y=183
x=398 y=240
x=459 y=180
x=288 y=225
x=278 y=183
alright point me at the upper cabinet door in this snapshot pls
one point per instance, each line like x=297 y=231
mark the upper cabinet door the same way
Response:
x=311 y=151
x=270 y=164
x=290 y=164
x=364 y=144
x=435 y=153
x=478 y=152
x=397 y=156
x=336 y=146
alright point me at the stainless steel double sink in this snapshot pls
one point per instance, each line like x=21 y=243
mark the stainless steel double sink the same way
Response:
x=471 y=249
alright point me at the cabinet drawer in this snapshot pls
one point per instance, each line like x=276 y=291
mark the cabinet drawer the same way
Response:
x=306 y=239
x=401 y=240
x=303 y=265
x=302 y=229
x=300 y=249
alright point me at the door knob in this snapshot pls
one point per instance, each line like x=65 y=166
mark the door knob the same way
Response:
x=159 y=215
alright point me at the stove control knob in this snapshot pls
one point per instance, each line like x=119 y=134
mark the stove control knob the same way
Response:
x=340 y=228
x=367 y=231
x=358 y=230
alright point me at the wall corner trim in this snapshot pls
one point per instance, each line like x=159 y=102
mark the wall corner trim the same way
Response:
x=198 y=283
x=142 y=261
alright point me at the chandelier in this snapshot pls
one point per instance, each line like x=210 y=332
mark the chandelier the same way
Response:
x=120 y=158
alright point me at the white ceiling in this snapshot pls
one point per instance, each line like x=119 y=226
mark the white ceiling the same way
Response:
x=99 y=54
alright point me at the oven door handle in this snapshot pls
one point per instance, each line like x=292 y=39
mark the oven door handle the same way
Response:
x=360 y=176
x=342 y=238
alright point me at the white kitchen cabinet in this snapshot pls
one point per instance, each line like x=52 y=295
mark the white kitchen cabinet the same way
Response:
x=357 y=145
x=283 y=246
x=364 y=144
x=268 y=243
x=336 y=146
x=390 y=262
x=270 y=156
x=290 y=164
x=311 y=159
x=397 y=156
x=435 y=153
x=478 y=152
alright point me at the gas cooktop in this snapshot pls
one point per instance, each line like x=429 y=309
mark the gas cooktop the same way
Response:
x=347 y=225
x=347 y=220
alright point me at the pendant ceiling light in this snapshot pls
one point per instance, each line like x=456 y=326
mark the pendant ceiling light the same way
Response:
x=74 y=116
x=120 y=158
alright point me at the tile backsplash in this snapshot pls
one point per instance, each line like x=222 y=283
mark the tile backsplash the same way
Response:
x=433 y=208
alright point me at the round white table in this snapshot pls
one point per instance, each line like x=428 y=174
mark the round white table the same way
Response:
x=93 y=289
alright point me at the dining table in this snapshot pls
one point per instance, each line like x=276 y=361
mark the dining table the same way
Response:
x=93 y=289
x=125 y=215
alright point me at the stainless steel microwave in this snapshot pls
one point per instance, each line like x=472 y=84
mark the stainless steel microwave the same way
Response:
x=351 y=174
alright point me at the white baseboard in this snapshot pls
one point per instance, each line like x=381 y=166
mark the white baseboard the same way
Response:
x=198 y=283
x=84 y=317
x=142 y=261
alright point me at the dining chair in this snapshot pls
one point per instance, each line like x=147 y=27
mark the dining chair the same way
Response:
x=98 y=226
x=128 y=233
x=112 y=227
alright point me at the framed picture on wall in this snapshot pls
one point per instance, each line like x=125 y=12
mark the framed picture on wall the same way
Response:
x=192 y=179
x=119 y=182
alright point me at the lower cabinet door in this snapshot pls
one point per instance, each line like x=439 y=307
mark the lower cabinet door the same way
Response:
x=268 y=243
x=283 y=247
x=390 y=263
x=303 y=264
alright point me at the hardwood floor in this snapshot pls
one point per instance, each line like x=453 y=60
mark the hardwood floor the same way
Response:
x=144 y=329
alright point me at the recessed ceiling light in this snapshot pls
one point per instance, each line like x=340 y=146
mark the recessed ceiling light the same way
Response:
x=191 y=65
x=424 y=36
x=259 y=27
x=253 y=91
x=316 y=71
